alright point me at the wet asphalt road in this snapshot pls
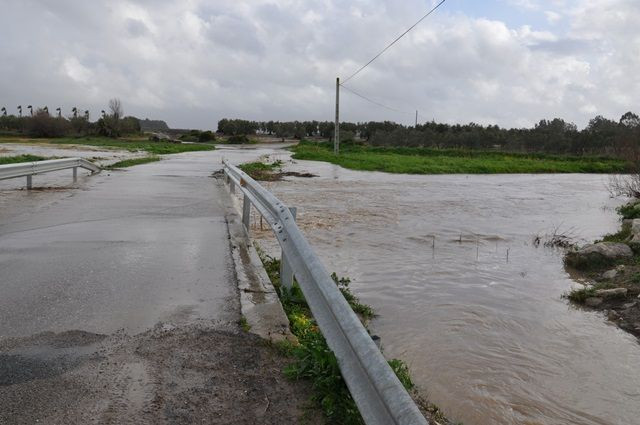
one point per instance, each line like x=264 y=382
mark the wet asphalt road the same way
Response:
x=125 y=250
x=119 y=304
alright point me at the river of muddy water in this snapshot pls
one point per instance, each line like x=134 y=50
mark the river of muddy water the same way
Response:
x=463 y=294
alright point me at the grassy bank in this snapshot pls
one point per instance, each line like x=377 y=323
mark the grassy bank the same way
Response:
x=314 y=361
x=20 y=158
x=130 y=144
x=435 y=161
x=134 y=161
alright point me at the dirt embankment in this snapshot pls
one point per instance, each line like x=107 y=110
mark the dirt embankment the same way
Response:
x=166 y=375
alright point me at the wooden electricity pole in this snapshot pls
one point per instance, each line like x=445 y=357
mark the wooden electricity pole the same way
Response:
x=336 y=136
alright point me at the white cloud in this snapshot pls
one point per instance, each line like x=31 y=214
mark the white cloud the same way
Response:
x=76 y=71
x=552 y=16
x=194 y=62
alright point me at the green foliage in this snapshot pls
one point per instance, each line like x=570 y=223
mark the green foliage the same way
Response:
x=314 y=359
x=601 y=136
x=580 y=295
x=402 y=372
x=244 y=324
x=206 y=136
x=316 y=362
x=630 y=211
x=239 y=139
x=20 y=158
x=343 y=285
x=134 y=161
x=41 y=124
x=436 y=161
x=262 y=171
x=621 y=236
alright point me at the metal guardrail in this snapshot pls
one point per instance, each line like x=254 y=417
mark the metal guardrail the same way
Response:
x=29 y=169
x=379 y=395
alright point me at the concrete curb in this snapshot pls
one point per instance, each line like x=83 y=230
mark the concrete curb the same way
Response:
x=259 y=302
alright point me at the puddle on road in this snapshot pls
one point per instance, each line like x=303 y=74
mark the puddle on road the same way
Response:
x=45 y=355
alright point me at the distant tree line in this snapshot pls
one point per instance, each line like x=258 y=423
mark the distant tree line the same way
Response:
x=602 y=136
x=40 y=123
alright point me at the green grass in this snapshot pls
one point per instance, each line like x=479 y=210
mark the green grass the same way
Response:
x=621 y=236
x=580 y=295
x=20 y=158
x=133 y=161
x=629 y=211
x=261 y=170
x=435 y=161
x=244 y=324
x=129 y=144
x=314 y=360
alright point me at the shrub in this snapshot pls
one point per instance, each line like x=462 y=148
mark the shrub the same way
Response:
x=630 y=210
x=44 y=125
x=239 y=139
x=207 y=136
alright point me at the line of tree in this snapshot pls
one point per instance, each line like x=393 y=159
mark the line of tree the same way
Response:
x=601 y=136
x=40 y=123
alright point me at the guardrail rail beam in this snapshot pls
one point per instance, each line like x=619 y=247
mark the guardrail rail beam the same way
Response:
x=377 y=391
x=30 y=169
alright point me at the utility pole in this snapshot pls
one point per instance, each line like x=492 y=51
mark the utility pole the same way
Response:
x=336 y=136
x=416 y=118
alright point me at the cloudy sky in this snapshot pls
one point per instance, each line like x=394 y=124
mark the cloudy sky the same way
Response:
x=192 y=62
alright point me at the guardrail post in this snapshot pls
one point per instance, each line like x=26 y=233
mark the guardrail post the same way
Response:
x=29 y=182
x=75 y=174
x=246 y=213
x=232 y=186
x=286 y=272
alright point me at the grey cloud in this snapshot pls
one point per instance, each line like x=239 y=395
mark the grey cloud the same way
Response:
x=195 y=62
x=136 y=27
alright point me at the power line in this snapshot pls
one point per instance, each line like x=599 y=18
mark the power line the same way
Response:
x=374 y=102
x=394 y=41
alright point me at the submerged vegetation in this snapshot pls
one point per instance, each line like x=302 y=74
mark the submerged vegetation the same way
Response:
x=134 y=161
x=450 y=161
x=262 y=171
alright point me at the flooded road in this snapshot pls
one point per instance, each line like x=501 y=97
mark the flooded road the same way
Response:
x=463 y=295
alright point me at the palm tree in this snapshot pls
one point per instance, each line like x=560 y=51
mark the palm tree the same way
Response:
x=4 y=111
x=86 y=114
x=30 y=108
x=20 y=111
x=46 y=109
x=75 y=112
x=59 y=111
x=103 y=113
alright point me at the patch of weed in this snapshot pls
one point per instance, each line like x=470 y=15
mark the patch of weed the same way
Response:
x=343 y=285
x=629 y=211
x=133 y=161
x=244 y=324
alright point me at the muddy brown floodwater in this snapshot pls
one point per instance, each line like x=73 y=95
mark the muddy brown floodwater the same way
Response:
x=488 y=339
